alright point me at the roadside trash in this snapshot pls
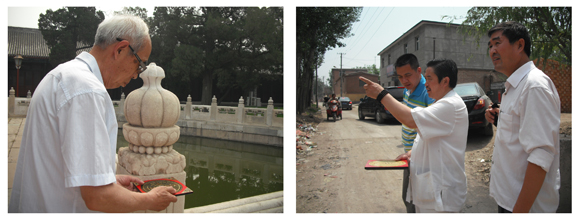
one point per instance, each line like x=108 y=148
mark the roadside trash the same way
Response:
x=482 y=160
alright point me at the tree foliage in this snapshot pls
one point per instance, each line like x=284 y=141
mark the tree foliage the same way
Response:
x=229 y=46
x=317 y=30
x=550 y=28
x=372 y=69
x=67 y=30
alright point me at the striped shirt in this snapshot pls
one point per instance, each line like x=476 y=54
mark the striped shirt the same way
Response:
x=419 y=98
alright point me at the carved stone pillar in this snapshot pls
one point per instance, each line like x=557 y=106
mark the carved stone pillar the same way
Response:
x=151 y=112
x=214 y=110
x=188 y=107
x=240 y=110
x=11 y=101
x=270 y=112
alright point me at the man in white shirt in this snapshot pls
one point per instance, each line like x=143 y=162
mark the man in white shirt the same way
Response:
x=437 y=181
x=525 y=173
x=67 y=158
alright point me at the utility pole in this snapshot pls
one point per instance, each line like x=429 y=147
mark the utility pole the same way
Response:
x=341 y=80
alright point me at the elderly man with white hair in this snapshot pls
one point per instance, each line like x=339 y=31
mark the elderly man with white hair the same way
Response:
x=66 y=161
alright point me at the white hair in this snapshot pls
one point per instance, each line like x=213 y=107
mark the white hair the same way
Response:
x=126 y=27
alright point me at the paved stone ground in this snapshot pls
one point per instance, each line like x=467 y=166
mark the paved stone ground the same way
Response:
x=15 y=128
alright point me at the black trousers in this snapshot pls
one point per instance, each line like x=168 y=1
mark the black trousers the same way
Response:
x=502 y=210
x=410 y=206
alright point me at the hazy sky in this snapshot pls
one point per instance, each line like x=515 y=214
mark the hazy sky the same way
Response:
x=378 y=27
x=27 y=17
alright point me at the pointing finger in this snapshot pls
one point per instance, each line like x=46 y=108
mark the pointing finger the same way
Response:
x=365 y=80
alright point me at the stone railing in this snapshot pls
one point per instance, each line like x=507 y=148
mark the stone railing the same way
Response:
x=223 y=114
x=18 y=106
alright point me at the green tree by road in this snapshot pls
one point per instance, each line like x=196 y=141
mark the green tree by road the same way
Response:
x=550 y=28
x=317 y=30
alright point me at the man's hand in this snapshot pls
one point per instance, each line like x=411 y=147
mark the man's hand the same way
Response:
x=127 y=181
x=489 y=114
x=372 y=89
x=405 y=156
x=160 y=197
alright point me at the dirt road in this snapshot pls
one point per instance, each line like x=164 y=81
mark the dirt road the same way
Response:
x=331 y=178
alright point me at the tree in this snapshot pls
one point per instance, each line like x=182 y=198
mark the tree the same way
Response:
x=317 y=30
x=550 y=28
x=137 y=11
x=372 y=69
x=227 y=46
x=68 y=30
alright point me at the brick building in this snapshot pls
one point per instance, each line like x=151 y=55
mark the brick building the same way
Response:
x=561 y=75
x=351 y=85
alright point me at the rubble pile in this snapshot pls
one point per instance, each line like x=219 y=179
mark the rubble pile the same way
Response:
x=303 y=135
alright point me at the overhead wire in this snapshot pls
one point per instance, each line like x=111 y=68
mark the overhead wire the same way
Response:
x=375 y=32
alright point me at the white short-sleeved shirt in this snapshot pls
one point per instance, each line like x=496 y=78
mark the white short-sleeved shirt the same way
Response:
x=69 y=140
x=527 y=131
x=437 y=170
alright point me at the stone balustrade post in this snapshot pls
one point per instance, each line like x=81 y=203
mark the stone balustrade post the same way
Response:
x=240 y=111
x=214 y=111
x=28 y=94
x=122 y=104
x=270 y=112
x=11 y=101
x=188 y=107
x=151 y=132
x=258 y=102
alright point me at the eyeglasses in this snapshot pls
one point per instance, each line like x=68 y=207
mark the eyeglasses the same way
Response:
x=142 y=65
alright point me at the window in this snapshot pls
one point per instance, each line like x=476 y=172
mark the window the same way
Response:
x=405 y=49
x=389 y=60
x=416 y=43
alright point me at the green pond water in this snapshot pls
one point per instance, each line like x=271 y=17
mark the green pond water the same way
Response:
x=220 y=170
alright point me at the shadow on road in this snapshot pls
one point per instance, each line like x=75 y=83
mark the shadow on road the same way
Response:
x=477 y=140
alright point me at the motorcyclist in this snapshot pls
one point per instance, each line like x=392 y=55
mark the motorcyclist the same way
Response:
x=335 y=98
x=325 y=100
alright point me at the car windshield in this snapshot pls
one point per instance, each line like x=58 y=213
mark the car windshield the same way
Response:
x=344 y=99
x=466 y=90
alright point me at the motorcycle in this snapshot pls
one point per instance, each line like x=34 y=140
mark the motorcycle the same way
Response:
x=333 y=110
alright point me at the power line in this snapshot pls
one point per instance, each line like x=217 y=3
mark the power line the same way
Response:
x=366 y=30
x=359 y=24
x=375 y=32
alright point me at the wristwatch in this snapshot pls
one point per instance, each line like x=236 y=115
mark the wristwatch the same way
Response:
x=382 y=95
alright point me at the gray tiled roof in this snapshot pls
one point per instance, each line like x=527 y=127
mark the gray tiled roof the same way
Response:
x=29 y=42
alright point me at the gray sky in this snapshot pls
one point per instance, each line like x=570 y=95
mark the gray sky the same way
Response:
x=378 y=27
x=27 y=17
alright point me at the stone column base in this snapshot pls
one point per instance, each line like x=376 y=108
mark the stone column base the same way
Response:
x=176 y=207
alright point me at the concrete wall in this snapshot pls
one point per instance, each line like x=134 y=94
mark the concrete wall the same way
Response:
x=266 y=203
x=565 y=205
x=438 y=40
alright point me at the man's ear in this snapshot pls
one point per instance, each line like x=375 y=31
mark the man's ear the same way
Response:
x=521 y=43
x=119 y=47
